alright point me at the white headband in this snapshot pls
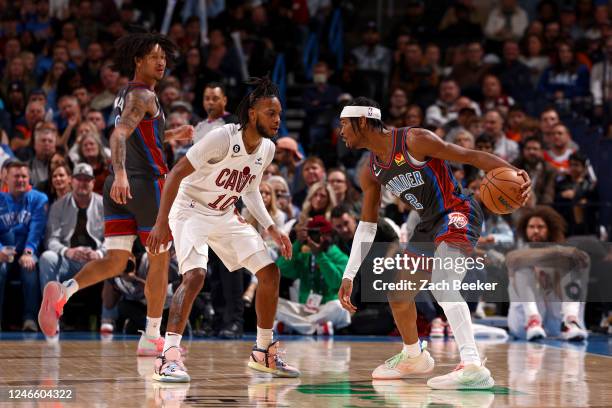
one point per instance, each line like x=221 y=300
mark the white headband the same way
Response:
x=359 y=111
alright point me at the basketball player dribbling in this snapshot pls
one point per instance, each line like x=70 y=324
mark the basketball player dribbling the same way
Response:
x=132 y=191
x=412 y=164
x=197 y=205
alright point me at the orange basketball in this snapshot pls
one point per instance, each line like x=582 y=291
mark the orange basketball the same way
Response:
x=500 y=190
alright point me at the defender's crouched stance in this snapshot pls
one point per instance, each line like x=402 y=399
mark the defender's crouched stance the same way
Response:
x=198 y=206
x=412 y=163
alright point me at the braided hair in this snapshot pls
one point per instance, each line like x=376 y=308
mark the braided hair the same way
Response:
x=264 y=88
x=137 y=45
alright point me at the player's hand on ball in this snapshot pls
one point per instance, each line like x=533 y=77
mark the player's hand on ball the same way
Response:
x=157 y=237
x=525 y=187
x=344 y=295
x=120 y=190
x=282 y=240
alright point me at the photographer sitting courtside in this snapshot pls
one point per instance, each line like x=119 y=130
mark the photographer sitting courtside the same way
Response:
x=319 y=265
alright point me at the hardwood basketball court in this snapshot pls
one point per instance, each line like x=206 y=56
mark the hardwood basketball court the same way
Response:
x=335 y=372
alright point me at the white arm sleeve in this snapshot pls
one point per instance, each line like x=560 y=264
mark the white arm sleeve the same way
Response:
x=364 y=236
x=252 y=197
x=210 y=149
x=254 y=203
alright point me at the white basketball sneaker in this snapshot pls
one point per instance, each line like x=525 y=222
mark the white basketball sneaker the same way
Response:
x=401 y=366
x=534 y=329
x=464 y=377
x=571 y=331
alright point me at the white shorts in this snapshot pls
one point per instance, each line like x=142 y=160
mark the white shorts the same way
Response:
x=234 y=241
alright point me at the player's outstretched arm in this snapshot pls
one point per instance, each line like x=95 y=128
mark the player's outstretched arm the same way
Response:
x=161 y=230
x=138 y=103
x=554 y=256
x=366 y=230
x=184 y=132
x=422 y=142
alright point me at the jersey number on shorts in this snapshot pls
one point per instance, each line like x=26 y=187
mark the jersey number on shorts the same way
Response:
x=413 y=201
x=231 y=200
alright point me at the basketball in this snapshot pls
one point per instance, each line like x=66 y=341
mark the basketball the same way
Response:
x=500 y=190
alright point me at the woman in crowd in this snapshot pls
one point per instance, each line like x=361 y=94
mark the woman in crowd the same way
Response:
x=534 y=57
x=320 y=200
x=269 y=198
x=61 y=182
x=189 y=72
x=89 y=149
x=283 y=201
x=48 y=186
x=50 y=83
x=567 y=79
x=343 y=189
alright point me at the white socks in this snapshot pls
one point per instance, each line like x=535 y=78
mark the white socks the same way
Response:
x=531 y=309
x=172 y=340
x=153 y=326
x=71 y=287
x=458 y=315
x=413 y=350
x=264 y=338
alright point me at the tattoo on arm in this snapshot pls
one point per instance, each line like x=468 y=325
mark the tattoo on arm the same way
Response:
x=118 y=147
x=137 y=104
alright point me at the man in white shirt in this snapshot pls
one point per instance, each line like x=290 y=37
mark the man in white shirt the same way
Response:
x=197 y=204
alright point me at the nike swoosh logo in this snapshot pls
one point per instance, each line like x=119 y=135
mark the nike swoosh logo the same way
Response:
x=376 y=173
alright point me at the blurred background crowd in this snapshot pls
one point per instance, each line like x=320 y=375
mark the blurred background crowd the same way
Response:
x=530 y=81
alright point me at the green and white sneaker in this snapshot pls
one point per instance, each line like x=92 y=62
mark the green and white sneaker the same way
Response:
x=464 y=377
x=401 y=366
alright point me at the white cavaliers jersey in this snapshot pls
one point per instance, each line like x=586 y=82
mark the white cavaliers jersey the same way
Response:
x=218 y=185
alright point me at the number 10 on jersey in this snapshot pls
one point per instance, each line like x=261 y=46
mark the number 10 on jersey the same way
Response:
x=231 y=200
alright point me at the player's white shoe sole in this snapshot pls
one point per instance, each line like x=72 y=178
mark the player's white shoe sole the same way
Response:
x=469 y=377
x=573 y=332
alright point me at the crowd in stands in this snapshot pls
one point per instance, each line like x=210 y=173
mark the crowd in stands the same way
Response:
x=528 y=81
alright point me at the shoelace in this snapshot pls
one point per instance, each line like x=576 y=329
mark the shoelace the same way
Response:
x=395 y=360
x=170 y=364
x=398 y=358
x=278 y=357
